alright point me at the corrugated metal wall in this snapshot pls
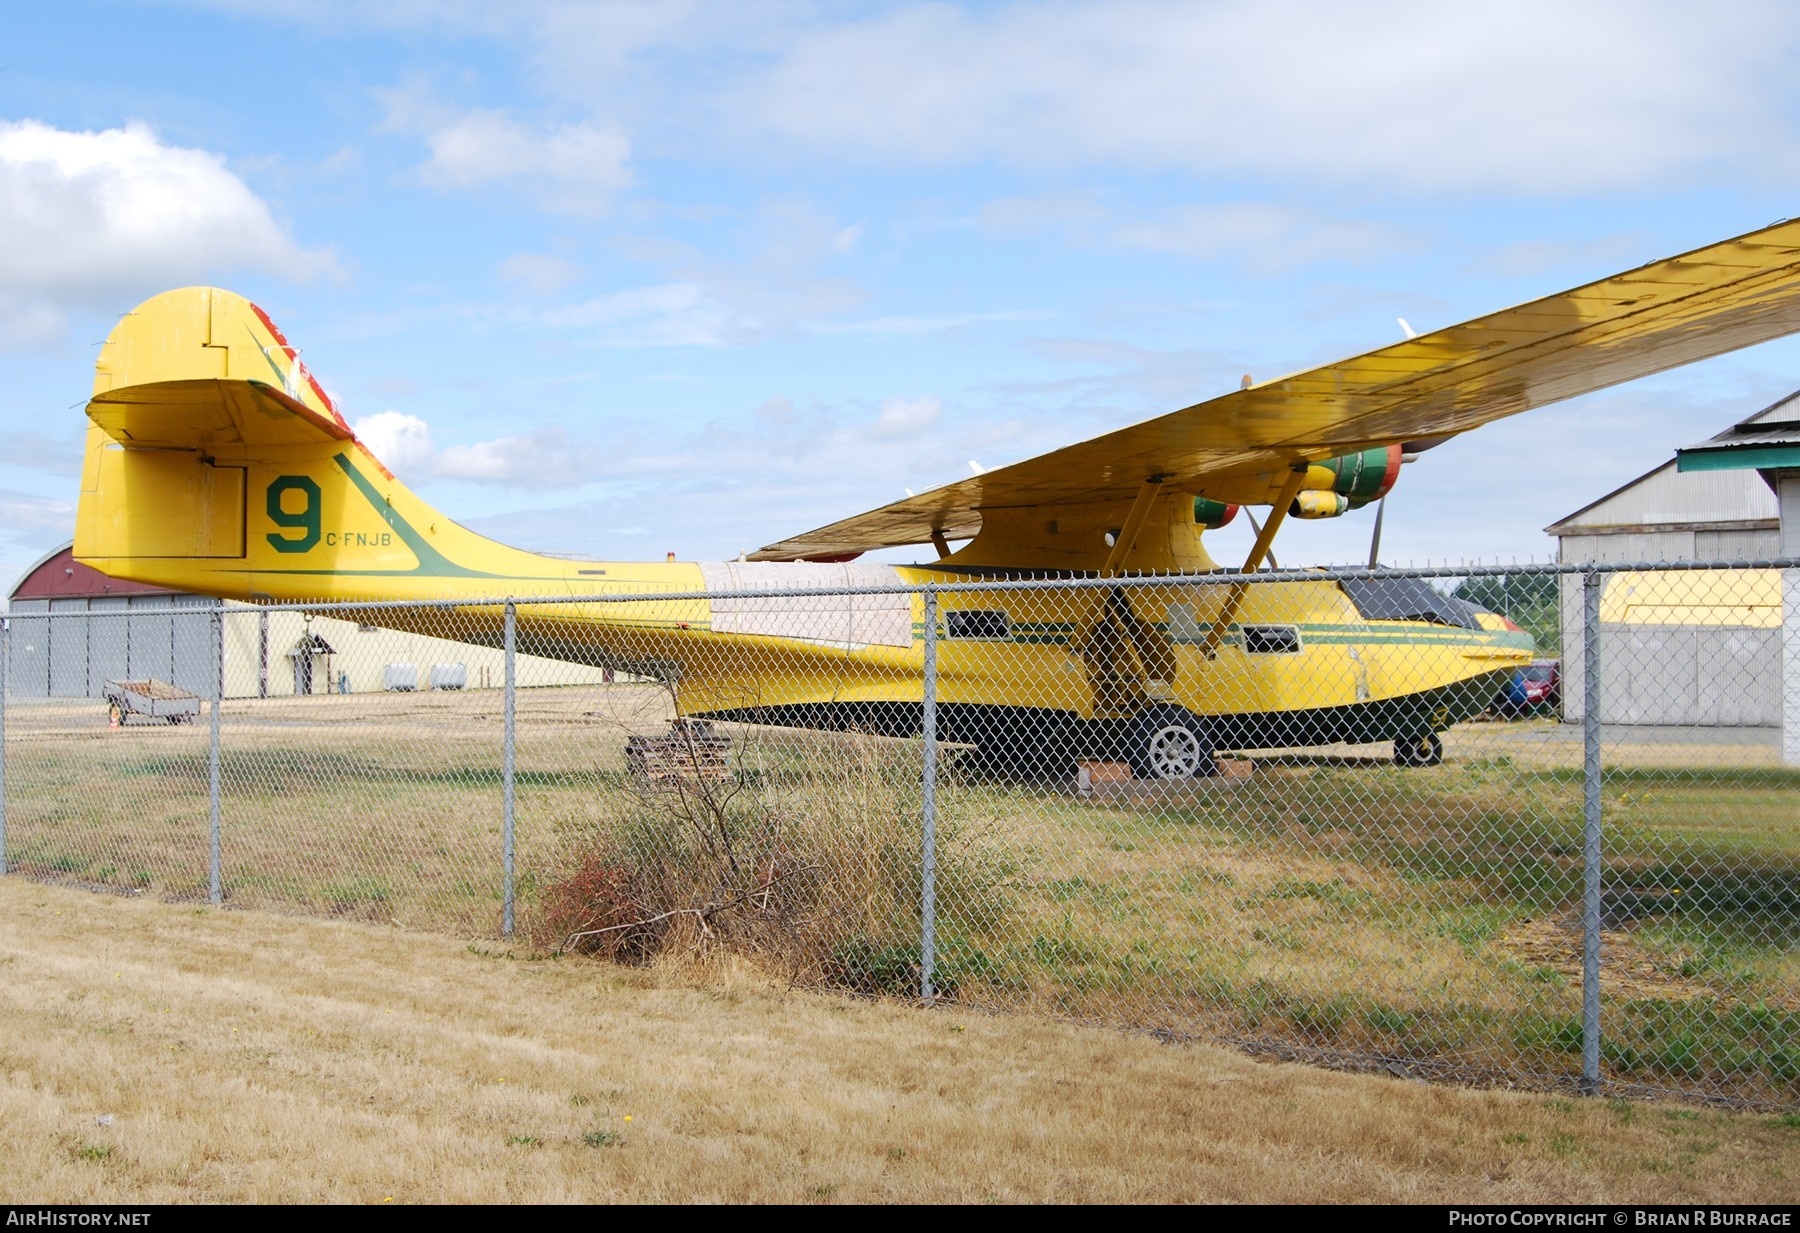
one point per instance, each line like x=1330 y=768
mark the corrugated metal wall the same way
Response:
x=133 y=637
x=169 y=637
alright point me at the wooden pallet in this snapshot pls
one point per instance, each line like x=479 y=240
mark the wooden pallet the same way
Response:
x=1113 y=781
x=691 y=751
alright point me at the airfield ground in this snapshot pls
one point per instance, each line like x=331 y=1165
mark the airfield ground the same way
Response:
x=1332 y=906
x=162 y=1052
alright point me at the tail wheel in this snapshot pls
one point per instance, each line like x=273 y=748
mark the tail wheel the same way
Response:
x=1169 y=743
x=1425 y=750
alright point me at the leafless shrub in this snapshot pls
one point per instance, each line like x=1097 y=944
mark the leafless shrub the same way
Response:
x=802 y=855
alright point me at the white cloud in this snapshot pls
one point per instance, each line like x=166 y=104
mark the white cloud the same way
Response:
x=1532 y=96
x=401 y=441
x=1533 y=257
x=663 y=315
x=36 y=451
x=907 y=417
x=916 y=327
x=336 y=17
x=539 y=274
x=29 y=527
x=97 y=219
x=777 y=469
x=1522 y=95
x=483 y=146
x=1261 y=234
x=777 y=411
x=544 y=458
x=22 y=512
x=1264 y=234
x=575 y=168
x=1076 y=214
x=722 y=304
x=660 y=315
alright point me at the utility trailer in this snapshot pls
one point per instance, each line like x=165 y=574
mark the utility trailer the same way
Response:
x=150 y=701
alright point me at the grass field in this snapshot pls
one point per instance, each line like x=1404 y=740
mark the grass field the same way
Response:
x=166 y=1052
x=1331 y=905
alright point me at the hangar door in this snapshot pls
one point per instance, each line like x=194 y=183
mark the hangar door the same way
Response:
x=1672 y=674
x=114 y=637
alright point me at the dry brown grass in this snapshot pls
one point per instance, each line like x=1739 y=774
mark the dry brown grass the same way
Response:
x=1324 y=903
x=246 y=1057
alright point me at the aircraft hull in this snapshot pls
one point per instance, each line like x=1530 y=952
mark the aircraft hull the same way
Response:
x=1044 y=739
x=1296 y=665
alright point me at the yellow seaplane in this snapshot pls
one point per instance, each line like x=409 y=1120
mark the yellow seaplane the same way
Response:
x=215 y=463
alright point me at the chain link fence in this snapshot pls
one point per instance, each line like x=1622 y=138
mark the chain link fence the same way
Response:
x=1528 y=826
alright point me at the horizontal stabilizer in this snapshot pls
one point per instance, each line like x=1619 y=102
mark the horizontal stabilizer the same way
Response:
x=209 y=414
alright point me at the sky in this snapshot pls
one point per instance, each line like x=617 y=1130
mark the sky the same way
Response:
x=633 y=278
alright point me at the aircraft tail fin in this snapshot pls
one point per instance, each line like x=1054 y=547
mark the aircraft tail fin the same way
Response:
x=216 y=463
x=206 y=334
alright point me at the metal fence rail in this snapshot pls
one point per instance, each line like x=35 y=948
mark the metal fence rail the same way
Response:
x=1333 y=815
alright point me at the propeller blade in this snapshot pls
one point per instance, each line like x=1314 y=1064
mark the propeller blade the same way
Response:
x=1256 y=526
x=1375 y=539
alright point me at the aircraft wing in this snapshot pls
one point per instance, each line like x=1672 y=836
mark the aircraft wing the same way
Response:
x=1656 y=317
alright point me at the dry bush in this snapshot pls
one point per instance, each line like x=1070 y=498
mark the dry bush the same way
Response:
x=804 y=860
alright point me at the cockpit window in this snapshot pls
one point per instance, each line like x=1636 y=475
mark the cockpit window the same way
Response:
x=1407 y=599
x=986 y=625
x=1271 y=640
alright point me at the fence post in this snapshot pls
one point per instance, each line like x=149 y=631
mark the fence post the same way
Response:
x=214 y=881
x=1592 y=583
x=928 y=844
x=506 y=773
x=5 y=649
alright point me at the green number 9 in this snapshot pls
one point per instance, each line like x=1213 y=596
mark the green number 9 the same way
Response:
x=305 y=520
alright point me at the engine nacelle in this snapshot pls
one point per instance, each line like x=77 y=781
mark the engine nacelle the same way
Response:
x=1327 y=489
x=1364 y=476
x=1212 y=514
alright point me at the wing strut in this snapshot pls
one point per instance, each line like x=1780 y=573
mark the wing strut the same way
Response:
x=1234 y=598
x=1134 y=525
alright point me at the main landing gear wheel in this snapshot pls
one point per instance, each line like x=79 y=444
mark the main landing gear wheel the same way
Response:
x=1169 y=743
x=1426 y=750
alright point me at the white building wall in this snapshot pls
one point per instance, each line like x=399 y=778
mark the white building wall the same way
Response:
x=361 y=656
x=1789 y=684
x=1611 y=550
x=1707 y=676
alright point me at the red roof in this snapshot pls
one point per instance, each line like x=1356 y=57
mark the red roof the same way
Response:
x=61 y=576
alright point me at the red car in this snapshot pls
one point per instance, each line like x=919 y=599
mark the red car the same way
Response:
x=1534 y=689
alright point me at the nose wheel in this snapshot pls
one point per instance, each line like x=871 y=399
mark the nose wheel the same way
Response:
x=1425 y=750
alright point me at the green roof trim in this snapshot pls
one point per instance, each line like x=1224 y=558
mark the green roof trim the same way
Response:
x=1738 y=458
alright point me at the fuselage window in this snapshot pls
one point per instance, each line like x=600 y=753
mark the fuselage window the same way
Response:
x=977 y=623
x=1271 y=640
